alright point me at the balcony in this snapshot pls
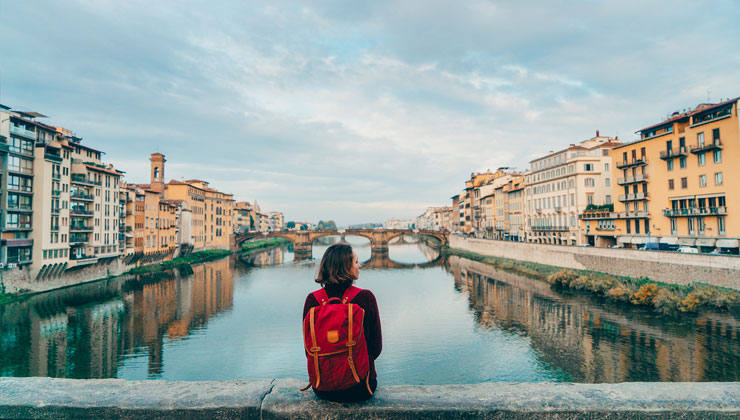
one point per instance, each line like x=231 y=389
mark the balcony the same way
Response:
x=56 y=175
x=55 y=210
x=20 y=226
x=76 y=211
x=80 y=228
x=538 y=210
x=632 y=179
x=81 y=196
x=673 y=153
x=550 y=228
x=707 y=147
x=53 y=158
x=606 y=228
x=20 y=131
x=596 y=215
x=20 y=189
x=558 y=209
x=83 y=180
x=18 y=170
x=634 y=215
x=17 y=243
x=633 y=197
x=83 y=257
x=20 y=209
x=56 y=193
x=55 y=228
x=696 y=211
x=630 y=163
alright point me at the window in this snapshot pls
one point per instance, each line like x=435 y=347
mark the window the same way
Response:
x=717 y=156
x=718 y=178
x=682 y=163
x=590 y=198
x=607 y=182
x=700 y=139
x=701 y=224
x=702 y=180
x=608 y=199
x=702 y=159
x=589 y=182
x=684 y=182
x=588 y=167
x=606 y=165
x=670 y=164
x=691 y=226
x=721 y=225
x=674 y=228
x=670 y=184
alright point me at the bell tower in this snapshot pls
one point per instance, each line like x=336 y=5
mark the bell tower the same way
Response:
x=157 y=177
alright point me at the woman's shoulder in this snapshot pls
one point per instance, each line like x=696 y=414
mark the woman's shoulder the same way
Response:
x=366 y=295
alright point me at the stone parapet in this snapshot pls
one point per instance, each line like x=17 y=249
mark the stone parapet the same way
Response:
x=46 y=398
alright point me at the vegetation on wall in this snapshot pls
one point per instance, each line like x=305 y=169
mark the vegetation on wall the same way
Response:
x=194 y=258
x=264 y=243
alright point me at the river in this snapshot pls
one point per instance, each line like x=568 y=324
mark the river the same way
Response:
x=444 y=320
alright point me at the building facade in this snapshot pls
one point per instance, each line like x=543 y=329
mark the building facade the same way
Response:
x=559 y=187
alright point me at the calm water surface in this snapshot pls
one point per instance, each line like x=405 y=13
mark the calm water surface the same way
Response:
x=445 y=321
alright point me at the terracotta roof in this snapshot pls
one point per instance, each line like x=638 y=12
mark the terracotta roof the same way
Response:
x=699 y=108
x=111 y=170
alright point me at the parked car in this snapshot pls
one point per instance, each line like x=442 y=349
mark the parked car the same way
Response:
x=688 y=250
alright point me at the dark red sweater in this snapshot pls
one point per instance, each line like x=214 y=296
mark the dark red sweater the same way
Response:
x=371 y=322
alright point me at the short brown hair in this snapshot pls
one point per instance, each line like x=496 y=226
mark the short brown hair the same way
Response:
x=336 y=265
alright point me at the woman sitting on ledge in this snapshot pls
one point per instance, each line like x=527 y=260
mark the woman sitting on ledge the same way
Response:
x=337 y=300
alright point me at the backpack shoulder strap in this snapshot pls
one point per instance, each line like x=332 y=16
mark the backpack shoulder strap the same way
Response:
x=321 y=296
x=350 y=294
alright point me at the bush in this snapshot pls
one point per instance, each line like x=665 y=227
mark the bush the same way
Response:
x=666 y=301
x=645 y=295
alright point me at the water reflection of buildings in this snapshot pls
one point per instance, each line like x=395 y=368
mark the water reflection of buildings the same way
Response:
x=600 y=343
x=267 y=258
x=84 y=332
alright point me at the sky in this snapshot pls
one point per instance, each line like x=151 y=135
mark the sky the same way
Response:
x=358 y=111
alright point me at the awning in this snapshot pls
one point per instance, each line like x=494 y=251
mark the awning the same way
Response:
x=625 y=240
x=670 y=240
x=705 y=242
x=686 y=241
x=638 y=240
x=728 y=243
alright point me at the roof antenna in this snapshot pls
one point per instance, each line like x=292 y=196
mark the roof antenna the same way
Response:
x=709 y=92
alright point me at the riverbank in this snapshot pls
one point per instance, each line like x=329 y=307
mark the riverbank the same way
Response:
x=281 y=399
x=194 y=258
x=662 y=297
x=264 y=244
x=660 y=266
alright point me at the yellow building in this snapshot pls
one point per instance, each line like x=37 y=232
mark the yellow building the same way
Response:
x=679 y=183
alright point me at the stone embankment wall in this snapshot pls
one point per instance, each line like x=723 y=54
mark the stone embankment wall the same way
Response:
x=23 y=279
x=663 y=266
x=46 y=398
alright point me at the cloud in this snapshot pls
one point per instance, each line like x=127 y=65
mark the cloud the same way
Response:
x=358 y=111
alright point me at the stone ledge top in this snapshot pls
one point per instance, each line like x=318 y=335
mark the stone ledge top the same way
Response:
x=47 y=398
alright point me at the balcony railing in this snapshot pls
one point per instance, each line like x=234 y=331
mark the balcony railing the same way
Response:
x=81 y=196
x=20 y=208
x=550 y=228
x=18 y=226
x=696 y=211
x=24 y=171
x=20 y=131
x=674 y=153
x=56 y=175
x=598 y=215
x=706 y=147
x=75 y=257
x=80 y=212
x=558 y=209
x=56 y=193
x=606 y=227
x=633 y=197
x=55 y=228
x=53 y=158
x=82 y=179
x=17 y=242
x=633 y=162
x=634 y=215
x=55 y=210
x=632 y=179
x=80 y=228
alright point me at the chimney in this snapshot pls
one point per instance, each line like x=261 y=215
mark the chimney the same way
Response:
x=597 y=133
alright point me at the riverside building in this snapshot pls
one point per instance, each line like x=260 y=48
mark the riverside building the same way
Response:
x=59 y=201
x=679 y=183
x=559 y=187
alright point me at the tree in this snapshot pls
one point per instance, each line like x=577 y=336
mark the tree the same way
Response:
x=290 y=225
x=326 y=225
x=304 y=227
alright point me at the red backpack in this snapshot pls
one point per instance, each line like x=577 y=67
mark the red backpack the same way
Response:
x=335 y=342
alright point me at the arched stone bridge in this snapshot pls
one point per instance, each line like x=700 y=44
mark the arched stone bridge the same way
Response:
x=303 y=239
